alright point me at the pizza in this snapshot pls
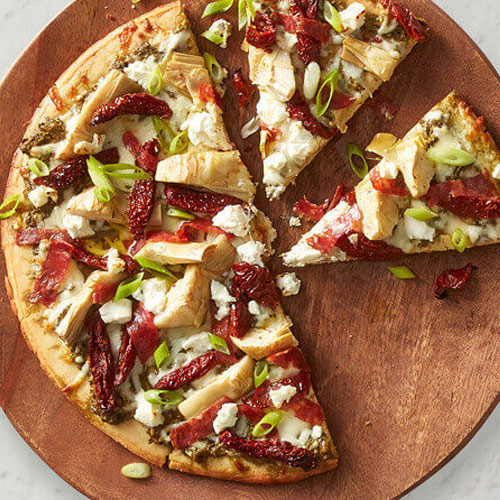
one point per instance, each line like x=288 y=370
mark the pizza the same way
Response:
x=136 y=266
x=435 y=189
x=315 y=64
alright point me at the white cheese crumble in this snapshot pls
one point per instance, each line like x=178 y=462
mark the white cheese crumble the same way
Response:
x=147 y=413
x=117 y=313
x=40 y=196
x=282 y=395
x=271 y=111
x=233 y=219
x=226 y=417
x=203 y=130
x=252 y=252
x=153 y=294
x=260 y=313
x=288 y=283
x=115 y=264
x=222 y=298
x=317 y=431
x=294 y=221
x=77 y=227
x=286 y=41
x=353 y=17
x=222 y=28
x=300 y=143
x=387 y=169
x=140 y=70
x=294 y=430
x=418 y=230
x=496 y=172
x=198 y=343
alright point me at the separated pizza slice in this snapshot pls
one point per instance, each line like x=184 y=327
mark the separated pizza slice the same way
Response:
x=136 y=263
x=435 y=189
x=315 y=63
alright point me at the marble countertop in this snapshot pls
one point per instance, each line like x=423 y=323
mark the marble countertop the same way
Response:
x=472 y=475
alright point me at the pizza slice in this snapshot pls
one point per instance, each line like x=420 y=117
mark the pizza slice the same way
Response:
x=315 y=64
x=435 y=189
x=136 y=266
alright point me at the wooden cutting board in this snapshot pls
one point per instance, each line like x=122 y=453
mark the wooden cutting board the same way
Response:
x=405 y=380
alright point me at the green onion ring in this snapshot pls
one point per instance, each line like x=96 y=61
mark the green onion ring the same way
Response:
x=161 y=354
x=162 y=397
x=402 y=273
x=99 y=178
x=355 y=150
x=155 y=81
x=38 y=167
x=179 y=143
x=421 y=213
x=151 y=264
x=214 y=68
x=179 y=214
x=331 y=79
x=119 y=170
x=459 y=240
x=14 y=200
x=161 y=126
x=103 y=195
x=214 y=37
x=450 y=156
x=127 y=287
x=216 y=7
x=267 y=423
x=332 y=16
x=260 y=372
x=218 y=343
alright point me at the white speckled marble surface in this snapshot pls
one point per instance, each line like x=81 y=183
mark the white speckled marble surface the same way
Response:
x=472 y=475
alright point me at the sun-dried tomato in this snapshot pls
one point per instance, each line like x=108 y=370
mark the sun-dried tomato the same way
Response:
x=101 y=365
x=198 y=201
x=281 y=451
x=126 y=358
x=337 y=197
x=183 y=235
x=88 y=259
x=104 y=292
x=143 y=332
x=358 y=246
x=240 y=319
x=396 y=187
x=273 y=134
x=312 y=28
x=262 y=31
x=70 y=171
x=253 y=413
x=292 y=356
x=308 y=49
x=475 y=197
x=341 y=100
x=452 y=279
x=208 y=93
x=35 y=235
x=308 y=8
x=131 y=104
x=298 y=109
x=206 y=226
x=413 y=26
x=243 y=89
x=253 y=282
x=308 y=210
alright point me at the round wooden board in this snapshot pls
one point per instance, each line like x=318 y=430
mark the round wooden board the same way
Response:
x=405 y=380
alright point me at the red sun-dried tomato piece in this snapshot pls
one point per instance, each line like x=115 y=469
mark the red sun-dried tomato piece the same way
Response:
x=253 y=413
x=309 y=210
x=126 y=358
x=292 y=356
x=240 y=319
x=475 y=197
x=88 y=259
x=206 y=226
x=413 y=26
x=101 y=365
x=253 y=282
x=305 y=409
x=358 y=246
x=35 y=235
x=312 y=28
x=282 y=451
x=308 y=8
x=131 y=104
x=208 y=93
x=196 y=428
x=308 y=49
x=199 y=201
x=70 y=171
x=273 y=134
x=298 y=109
x=452 y=279
x=104 y=292
x=143 y=332
x=243 y=89
x=341 y=100
x=262 y=31
x=396 y=187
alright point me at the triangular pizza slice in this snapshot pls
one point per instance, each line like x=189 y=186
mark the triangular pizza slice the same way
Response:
x=315 y=64
x=435 y=189
x=136 y=266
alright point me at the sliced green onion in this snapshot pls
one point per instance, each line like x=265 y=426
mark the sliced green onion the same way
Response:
x=155 y=81
x=100 y=179
x=218 y=343
x=355 y=150
x=450 y=156
x=135 y=1
x=331 y=80
x=103 y=195
x=260 y=373
x=213 y=67
x=403 y=273
x=242 y=14
x=127 y=287
x=160 y=127
x=179 y=214
x=136 y=470
x=251 y=8
x=267 y=423
x=216 y=7
x=214 y=37
x=151 y=264
x=38 y=167
x=179 y=143
x=421 y=213
x=12 y=201
x=162 y=397
x=126 y=171
x=332 y=16
x=161 y=354
x=459 y=240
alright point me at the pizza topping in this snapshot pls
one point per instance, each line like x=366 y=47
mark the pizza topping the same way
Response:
x=459 y=240
x=450 y=156
x=143 y=333
x=243 y=89
x=199 y=201
x=305 y=409
x=218 y=343
x=240 y=319
x=291 y=357
x=126 y=357
x=252 y=413
x=261 y=32
x=182 y=235
x=260 y=373
x=332 y=16
x=131 y=104
x=355 y=150
x=452 y=279
x=208 y=93
x=298 y=109
x=273 y=134
x=101 y=365
x=358 y=246
x=104 y=292
x=308 y=210
x=281 y=451
x=402 y=272
x=475 y=197
x=396 y=187
x=330 y=83
x=267 y=423
x=252 y=282
x=197 y=428
x=218 y=33
x=216 y=71
x=127 y=287
x=406 y=19
x=216 y=7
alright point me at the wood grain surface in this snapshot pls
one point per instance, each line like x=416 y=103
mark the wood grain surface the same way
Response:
x=405 y=380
